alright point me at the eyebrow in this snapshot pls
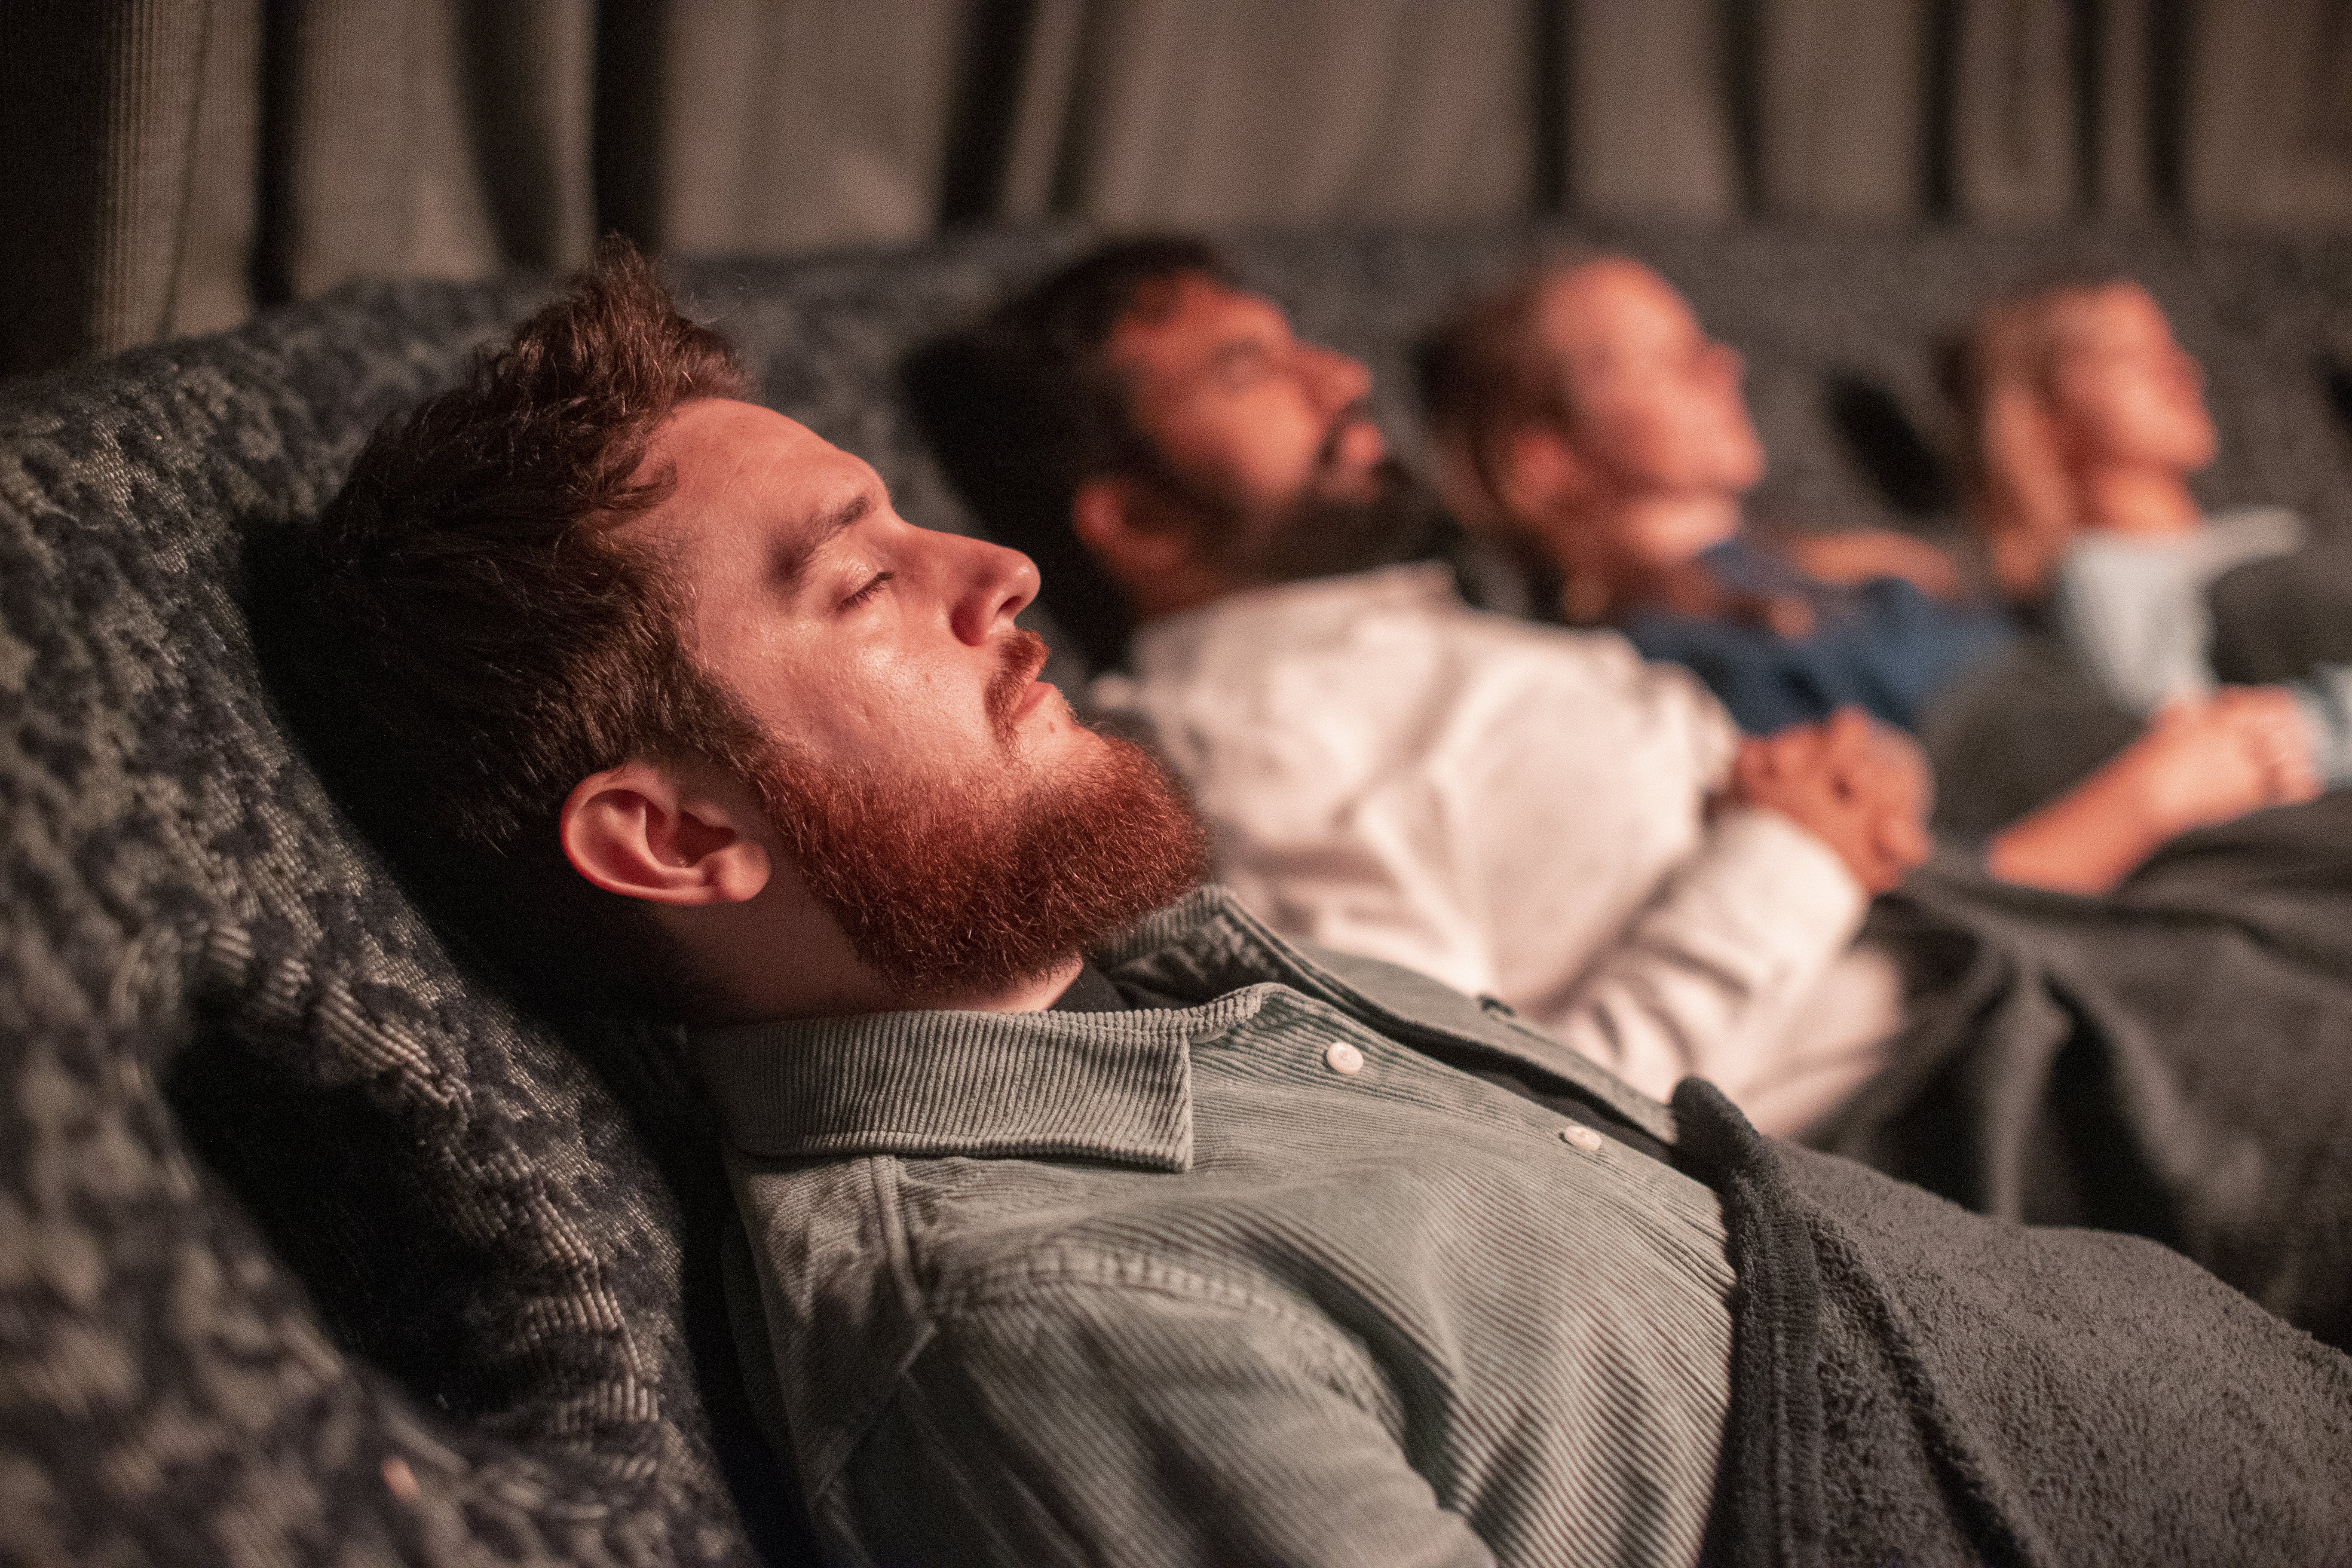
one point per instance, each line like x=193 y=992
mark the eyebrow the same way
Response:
x=792 y=561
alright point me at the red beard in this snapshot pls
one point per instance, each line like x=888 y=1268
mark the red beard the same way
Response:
x=953 y=886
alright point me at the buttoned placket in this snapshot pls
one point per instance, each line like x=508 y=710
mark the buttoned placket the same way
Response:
x=1347 y=1059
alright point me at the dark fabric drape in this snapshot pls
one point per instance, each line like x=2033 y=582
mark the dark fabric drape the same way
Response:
x=171 y=165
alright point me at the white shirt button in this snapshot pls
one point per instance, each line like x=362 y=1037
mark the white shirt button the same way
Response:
x=1583 y=1137
x=1343 y=1058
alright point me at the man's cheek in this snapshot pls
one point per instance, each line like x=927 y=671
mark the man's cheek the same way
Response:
x=869 y=701
x=1277 y=444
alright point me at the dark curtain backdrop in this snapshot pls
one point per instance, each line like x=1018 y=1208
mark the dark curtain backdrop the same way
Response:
x=170 y=164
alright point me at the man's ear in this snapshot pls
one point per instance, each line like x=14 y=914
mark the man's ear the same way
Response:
x=1115 y=522
x=683 y=836
x=1542 y=472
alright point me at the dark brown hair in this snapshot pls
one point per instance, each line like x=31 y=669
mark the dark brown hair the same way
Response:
x=470 y=639
x=1483 y=374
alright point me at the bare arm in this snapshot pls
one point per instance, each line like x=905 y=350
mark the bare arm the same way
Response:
x=1854 y=556
x=2198 y=764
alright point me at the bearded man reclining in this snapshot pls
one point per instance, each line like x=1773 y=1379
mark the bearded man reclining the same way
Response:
x=1092 y=1221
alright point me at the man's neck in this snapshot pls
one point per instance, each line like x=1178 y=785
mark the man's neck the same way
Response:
x=1029 y=995
x=736 y=954
x=1174 y=592
x=1026 y=997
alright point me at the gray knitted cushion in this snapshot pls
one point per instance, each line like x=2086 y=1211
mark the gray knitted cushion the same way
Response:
x=186 y=923
x=284 y=1195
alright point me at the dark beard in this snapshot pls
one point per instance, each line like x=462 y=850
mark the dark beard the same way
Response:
x=1325 y=536
x=1318 y=535
x=955 y=887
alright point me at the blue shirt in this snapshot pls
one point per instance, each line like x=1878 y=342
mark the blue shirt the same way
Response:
x=1884 y=646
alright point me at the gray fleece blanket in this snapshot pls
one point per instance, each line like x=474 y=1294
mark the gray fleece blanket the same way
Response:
x=2174 y=1061
x=1914 y=1385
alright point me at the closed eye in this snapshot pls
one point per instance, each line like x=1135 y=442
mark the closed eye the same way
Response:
x=873 y=586
x=1239 y=366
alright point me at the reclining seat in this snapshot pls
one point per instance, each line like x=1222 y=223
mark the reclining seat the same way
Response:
x=254 y=1119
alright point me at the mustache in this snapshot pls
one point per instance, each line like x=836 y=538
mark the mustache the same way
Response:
x=1326 y=456
x=1023 y=655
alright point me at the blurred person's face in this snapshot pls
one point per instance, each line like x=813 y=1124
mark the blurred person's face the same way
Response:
x=1235 y=402
x=1656 y=407
x=1266 y=456
x=2124 y=393
x=935 y=797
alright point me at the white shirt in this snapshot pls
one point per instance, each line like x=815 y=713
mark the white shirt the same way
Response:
x=1520 y=811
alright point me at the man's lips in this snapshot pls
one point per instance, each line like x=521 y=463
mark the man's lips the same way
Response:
x=1038 y=691
x=1354 y=442
x=1016 y=690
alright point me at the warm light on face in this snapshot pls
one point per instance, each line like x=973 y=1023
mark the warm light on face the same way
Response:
x=2124 y=391
x=1659 y=428
x=1237 y=403
x=849 y=634
x=1657 y=402
x=963 y=830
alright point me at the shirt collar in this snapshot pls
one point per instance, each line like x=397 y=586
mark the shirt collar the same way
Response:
x=1289 y=612
x=1114 y=1085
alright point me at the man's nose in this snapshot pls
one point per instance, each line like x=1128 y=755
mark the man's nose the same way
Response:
x=1336 y=380
x=992 y=585
x=1728 y=363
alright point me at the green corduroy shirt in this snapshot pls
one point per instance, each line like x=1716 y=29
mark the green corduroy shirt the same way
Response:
x=1250 y=1280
